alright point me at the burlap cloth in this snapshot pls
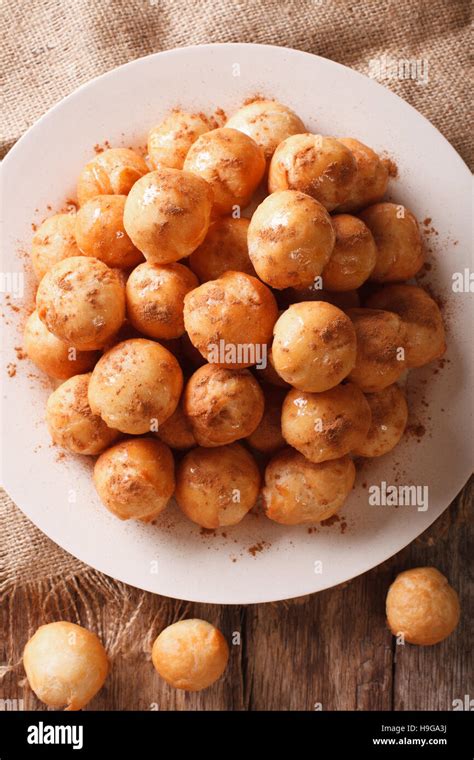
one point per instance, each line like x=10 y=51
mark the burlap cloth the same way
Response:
x=50 y=47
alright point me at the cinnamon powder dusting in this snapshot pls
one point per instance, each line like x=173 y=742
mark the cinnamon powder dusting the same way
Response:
x=330 y=521
x=100 y=148
x=257 y=548
x=255 y=98
x=219 y=117
x=416 y=431
x=207 y=532
x=333 y=520
x=390 y=166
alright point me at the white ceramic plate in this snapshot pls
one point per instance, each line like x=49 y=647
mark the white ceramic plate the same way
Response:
x=257 y=561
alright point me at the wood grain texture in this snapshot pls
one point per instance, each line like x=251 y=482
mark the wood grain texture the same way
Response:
x=329 y=651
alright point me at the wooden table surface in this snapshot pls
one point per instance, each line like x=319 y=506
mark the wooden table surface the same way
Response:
x=329 y=651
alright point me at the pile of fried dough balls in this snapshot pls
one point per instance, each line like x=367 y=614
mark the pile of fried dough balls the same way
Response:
x=66 y=665
x=196 y=346
x=179 y=325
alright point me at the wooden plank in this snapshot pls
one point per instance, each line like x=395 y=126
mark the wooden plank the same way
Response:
x=329 y=651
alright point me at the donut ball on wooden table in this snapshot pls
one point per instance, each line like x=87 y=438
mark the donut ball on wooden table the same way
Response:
x=167 y=214
x=216 y=487
x=82 y=302
x=298 y=491
x=136 y=386
x=290 y=239
x=314 y=346
x=135 y=478
x=422 y=606
x=319 y=166
x=190 y=654
x=66 y=665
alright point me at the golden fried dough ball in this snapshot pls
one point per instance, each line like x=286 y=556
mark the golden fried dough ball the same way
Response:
x=135 y=478
x=298 y=491
x=224 y=249
x=231 y=162
x=381 y=348
x=222 y=405
x=290 y=239
x=176 y=431
x=217 y=487
x=53 y=241
x=169 y=142
x=354 y=255
x=267 y=435
x=314 y=345
x=426 y=339
x=230 y=320
x=190 y=654
x=167 y=214
x=326 y=425
x=268 y=373
x=82 y=302
x=112 y=172
x=66 y=665
x=71 y=422
x=135 y=386
x=268 y=122
x=319 y=166
x=371 y=178
x=422 y=606
x=389 y=420
x=398 y=241
x=155 y=298
x=53 y=356
x=100 y=232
